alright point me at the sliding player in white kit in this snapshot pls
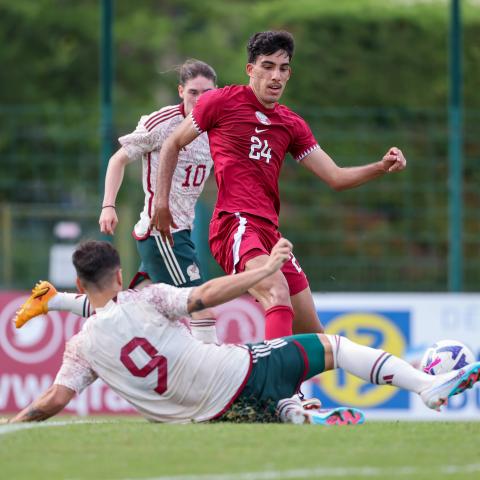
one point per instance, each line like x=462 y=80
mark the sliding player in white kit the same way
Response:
x=135 y=343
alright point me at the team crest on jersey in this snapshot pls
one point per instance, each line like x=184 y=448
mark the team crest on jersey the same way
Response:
x=262 y=118
x=193 y=272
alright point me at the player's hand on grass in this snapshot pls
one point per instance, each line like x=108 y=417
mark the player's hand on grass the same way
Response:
x=162 y=220
x=280 y=253
x=108 y=220
x=394 y=160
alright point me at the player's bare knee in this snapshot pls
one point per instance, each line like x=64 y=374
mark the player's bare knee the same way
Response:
x=280 y=294
x=272 y=291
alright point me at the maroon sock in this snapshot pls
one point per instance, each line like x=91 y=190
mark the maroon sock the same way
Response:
x=278 y=322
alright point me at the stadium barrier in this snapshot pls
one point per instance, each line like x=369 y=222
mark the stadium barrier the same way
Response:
x=404 y=324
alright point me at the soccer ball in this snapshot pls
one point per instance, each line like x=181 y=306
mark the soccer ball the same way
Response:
x=445 y=356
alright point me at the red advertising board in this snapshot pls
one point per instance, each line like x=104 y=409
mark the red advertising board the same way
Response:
x=30 y=357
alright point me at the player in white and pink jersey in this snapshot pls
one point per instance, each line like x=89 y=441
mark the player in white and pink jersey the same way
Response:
x=250 y=133
x=159 y=261
x=189 y=178
x=136 y=345
x=178 y=266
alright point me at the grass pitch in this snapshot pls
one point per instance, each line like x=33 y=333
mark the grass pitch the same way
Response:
x=136 y=449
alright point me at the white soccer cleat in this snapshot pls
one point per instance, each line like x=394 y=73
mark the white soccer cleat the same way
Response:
x=311 y=403
x=290 y=410
x=450 y=384
x=306 y=403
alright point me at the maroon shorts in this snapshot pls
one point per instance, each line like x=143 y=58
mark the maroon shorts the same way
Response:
x=236 y=238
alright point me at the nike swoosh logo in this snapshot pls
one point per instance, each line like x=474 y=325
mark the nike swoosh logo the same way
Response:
x=260 y=130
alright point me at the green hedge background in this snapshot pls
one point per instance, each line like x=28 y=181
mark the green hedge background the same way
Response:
x=367 y=74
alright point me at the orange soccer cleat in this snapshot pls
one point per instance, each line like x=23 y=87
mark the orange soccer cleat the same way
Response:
x=37 y=303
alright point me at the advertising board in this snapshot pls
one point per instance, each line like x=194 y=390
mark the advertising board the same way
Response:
x=403 y=324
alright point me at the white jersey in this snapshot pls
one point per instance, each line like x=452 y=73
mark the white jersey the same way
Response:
x=138 y=346
x=193 y=168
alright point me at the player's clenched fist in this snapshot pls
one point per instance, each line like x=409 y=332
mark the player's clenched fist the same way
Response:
x=280 y=254
x=393 y=160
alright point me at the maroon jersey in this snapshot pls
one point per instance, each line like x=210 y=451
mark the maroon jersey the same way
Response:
x=248 y=143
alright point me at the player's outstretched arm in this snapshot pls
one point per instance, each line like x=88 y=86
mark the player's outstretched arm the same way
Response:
x=51 y=402
x=342 y=178
x=162 y=218
x=113 y=180
x=222 y=289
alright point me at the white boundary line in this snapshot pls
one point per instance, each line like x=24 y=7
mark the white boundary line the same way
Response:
x=319 y=472
x=15 y=427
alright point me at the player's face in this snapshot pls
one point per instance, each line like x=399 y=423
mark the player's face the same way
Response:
x=269 y=76
x=191 y=91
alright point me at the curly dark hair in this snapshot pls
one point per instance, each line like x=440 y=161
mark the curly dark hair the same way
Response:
x=95 y=262
x=266 y=43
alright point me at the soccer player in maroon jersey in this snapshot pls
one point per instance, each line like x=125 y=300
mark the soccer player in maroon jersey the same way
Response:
x=249 y=134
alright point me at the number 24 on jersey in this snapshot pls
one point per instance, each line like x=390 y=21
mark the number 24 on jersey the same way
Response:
x=260 y=150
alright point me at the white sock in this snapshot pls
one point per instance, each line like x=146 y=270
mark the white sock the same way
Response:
x=71 y=302
x=376 y=366
x=204 y=330
x=290 y=410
